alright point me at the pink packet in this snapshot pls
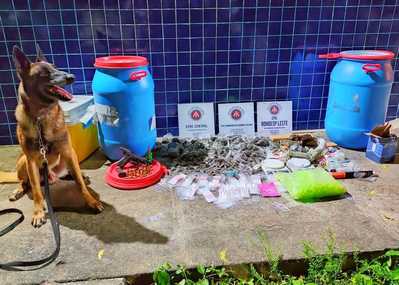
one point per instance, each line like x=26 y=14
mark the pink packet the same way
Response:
x=268 y=190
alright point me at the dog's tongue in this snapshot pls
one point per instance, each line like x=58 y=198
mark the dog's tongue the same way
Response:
x=61 y=92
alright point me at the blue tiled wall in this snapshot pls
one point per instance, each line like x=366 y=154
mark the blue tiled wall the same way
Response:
x=201 y=51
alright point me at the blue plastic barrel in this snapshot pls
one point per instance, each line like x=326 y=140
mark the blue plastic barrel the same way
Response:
x=123 y=91
x=360 y=85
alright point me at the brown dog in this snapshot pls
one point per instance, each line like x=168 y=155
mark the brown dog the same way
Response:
x=38 y=112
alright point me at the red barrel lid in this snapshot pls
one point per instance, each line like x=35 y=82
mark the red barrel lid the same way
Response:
x=120 y=61
x=123 y=183
x=361 y=55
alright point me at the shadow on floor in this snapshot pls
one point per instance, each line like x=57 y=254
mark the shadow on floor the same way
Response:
x=346 y=196
x=94 y=161
x=108 y=226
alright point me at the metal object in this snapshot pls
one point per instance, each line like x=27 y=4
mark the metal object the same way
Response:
x=128 y=157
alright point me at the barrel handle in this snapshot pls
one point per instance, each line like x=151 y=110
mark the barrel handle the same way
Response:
x=330 y=55
x=371 y=67
x=137 y=75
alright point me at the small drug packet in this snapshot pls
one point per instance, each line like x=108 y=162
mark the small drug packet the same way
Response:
x=186 y=193
x=208 y=195
x=254 y=182
x=185 y=190
x=176 y=179
x=280 y=207
x=235 y=191
x=216 y=183
x=223 y=201
x=243 y=185
x=268 y=190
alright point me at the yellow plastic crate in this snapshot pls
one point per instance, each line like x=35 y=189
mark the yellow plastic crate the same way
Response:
x=84 y=139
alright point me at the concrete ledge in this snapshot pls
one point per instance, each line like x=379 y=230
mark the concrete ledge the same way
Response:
x=140 y=230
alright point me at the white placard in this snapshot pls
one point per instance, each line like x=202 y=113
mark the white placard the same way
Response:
x=196 y=120
x=236 y=119
x=274 y=118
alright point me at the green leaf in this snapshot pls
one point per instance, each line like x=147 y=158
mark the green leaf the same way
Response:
x=395 y=274
x=182 y=282
x=202 y=282
x=392 y=253
x=361 y=279
x=162 y=278
x=201 y=269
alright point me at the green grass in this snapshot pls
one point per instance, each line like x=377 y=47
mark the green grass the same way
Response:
x=322 y=269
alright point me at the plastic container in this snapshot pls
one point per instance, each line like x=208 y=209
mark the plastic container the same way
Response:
x=381 y=150
x=158 y=171
x=123 y=91
x=80 y=125
x=360 y=85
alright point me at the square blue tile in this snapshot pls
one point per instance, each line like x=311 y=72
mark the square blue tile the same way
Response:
x=169 y=16
x=21 y=4
x=197 y=96
x=221 y=96
x=56 y=32
x=161 y=122
x=53 y=17
x=155 y=16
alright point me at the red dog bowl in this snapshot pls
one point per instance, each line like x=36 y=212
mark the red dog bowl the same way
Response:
x=124 y=183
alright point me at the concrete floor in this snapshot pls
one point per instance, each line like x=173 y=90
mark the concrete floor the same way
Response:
x=139 y=230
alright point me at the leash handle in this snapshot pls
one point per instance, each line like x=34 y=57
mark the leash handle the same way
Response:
x=40 y=263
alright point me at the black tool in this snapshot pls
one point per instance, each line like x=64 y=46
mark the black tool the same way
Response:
x=351 y=174
x=128 y=156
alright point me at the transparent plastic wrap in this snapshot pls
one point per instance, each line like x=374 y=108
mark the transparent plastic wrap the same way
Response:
x=176 y=179
x=204 y=188
x=254 y=181
x=169 y=182
x=244 y=186
x=224 y=199
x=162 y=185
x=235 y=190
x=215 y=183
x=186 y=188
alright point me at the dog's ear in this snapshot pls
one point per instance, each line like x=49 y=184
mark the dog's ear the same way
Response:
x=22 y=63
x=39 y=54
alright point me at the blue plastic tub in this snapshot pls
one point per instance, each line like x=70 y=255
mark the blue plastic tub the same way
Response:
x=381 y=150
x=123 y=91
x=360 y=85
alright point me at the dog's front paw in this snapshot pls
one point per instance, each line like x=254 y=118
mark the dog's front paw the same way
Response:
x=38 y=219
x=96 y=205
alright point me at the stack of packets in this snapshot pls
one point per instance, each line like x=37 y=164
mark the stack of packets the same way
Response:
x=224 y=191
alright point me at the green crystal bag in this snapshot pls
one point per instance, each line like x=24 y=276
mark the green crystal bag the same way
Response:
x=310 y=185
